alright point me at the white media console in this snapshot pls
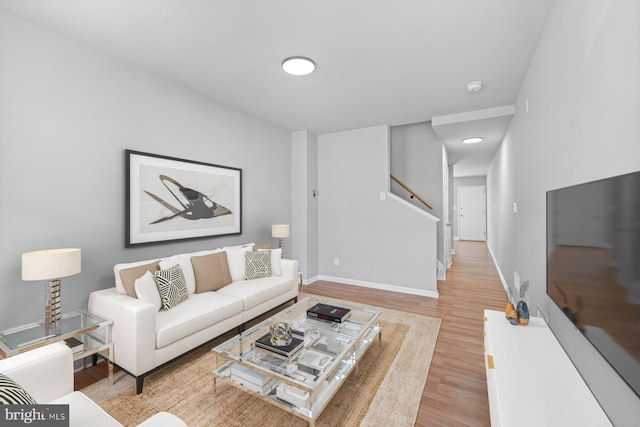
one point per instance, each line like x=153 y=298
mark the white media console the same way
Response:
x=531 y=380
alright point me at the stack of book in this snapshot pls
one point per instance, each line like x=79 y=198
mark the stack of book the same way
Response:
x=281 y=351
x=75 y=345
x=292 y=395
x=329 y=312
x=251 y=379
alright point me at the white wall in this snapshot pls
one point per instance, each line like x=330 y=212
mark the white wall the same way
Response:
x=417 y=161
x=304 y=233
x=67 y=113
x=379 y=243
x=583 y=93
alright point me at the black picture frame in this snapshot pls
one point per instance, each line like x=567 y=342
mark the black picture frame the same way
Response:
x=170 y=199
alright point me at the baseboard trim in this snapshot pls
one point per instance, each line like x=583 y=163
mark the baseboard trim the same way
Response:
x=381 y=286
x=310 y=280
x=504 y=282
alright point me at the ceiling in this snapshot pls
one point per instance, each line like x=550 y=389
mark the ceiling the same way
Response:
x=377 y=62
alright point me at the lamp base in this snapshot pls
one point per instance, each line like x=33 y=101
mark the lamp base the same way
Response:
x=52 y=308
x=281 y=246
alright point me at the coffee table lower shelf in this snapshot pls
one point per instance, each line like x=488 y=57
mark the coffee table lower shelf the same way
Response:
x=320 y=397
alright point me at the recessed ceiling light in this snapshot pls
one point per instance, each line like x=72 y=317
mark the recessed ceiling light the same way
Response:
x=298 y=66
x=473 y=140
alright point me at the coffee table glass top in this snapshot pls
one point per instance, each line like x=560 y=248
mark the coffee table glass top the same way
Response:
x=331 y=350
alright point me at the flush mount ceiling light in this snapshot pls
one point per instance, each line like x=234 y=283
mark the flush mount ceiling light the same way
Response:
x=298 y=65
x=473 y=140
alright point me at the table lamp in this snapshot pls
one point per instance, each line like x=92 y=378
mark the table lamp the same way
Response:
x=51 y=265
x=280 y=231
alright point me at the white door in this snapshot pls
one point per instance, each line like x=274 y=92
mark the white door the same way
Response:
x=472 y=213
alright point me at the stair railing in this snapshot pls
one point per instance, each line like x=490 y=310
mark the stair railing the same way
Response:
x=413 y=193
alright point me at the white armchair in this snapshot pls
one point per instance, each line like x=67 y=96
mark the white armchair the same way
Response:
x=46 y=373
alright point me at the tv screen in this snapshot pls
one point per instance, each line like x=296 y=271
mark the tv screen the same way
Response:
x=593 y=266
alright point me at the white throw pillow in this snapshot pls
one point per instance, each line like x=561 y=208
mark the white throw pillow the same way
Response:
x=146 y=290
x=276 y=257
x=235 y=259
x=184 y=261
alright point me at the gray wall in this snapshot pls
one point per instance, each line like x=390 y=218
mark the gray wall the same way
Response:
x=465 y=181
x=67 y=113
x=386 y=242
x=583 y=94
x=416 y=160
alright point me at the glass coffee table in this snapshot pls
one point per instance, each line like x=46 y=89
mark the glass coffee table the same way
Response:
x=305 y=382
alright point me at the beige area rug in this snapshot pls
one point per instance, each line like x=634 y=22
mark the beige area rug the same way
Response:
x=384 y=391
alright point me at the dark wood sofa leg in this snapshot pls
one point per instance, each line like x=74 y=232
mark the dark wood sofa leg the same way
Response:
x=139 y=384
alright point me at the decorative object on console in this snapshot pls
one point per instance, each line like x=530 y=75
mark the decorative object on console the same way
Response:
x=280 y=231
x=510 y=312
x=522 y=309
x=208 y=196
x=51 y=265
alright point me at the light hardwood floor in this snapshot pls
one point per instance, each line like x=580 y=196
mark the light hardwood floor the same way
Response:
x=456 y=390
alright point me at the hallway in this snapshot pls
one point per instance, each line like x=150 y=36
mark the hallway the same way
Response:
x=456 y=390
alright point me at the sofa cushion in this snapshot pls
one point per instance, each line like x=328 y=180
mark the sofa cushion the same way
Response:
x=256 y=291
x=198 y=312
x=11 y=393
x=126 y=275
x=84 y=412
x=276 y=258
x=211 y=271
x=184 y=261
x=235 y=258
x=257 y=265
x=147 y=290
x=171 y=286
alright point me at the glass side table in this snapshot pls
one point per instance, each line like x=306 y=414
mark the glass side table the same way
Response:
x=92 y=331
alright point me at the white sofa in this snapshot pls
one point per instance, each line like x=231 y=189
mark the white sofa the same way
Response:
x=46 y=373
x=145 y=338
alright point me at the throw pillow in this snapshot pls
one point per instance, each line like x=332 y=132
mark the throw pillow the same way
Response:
x=237 y=264
x=276 y=257
x=128 y=276
x=211 y=271
x=147 y=290
x=185 y=265
x=171 y=286
x=12 y=394
x=264 y=246
x=258 y=264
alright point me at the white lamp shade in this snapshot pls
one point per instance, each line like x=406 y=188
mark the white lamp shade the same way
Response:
x=280 y=230
x=50 y=264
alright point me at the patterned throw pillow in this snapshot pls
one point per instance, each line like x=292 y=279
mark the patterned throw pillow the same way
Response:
x=172 y=286
x=12 y=394
x=258 y=264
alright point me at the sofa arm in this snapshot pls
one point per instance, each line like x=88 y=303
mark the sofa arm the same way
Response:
x=134 y=329
x=290 y=270
x=46 y=373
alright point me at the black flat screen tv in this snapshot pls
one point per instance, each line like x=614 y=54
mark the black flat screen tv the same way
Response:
x=593 y=266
